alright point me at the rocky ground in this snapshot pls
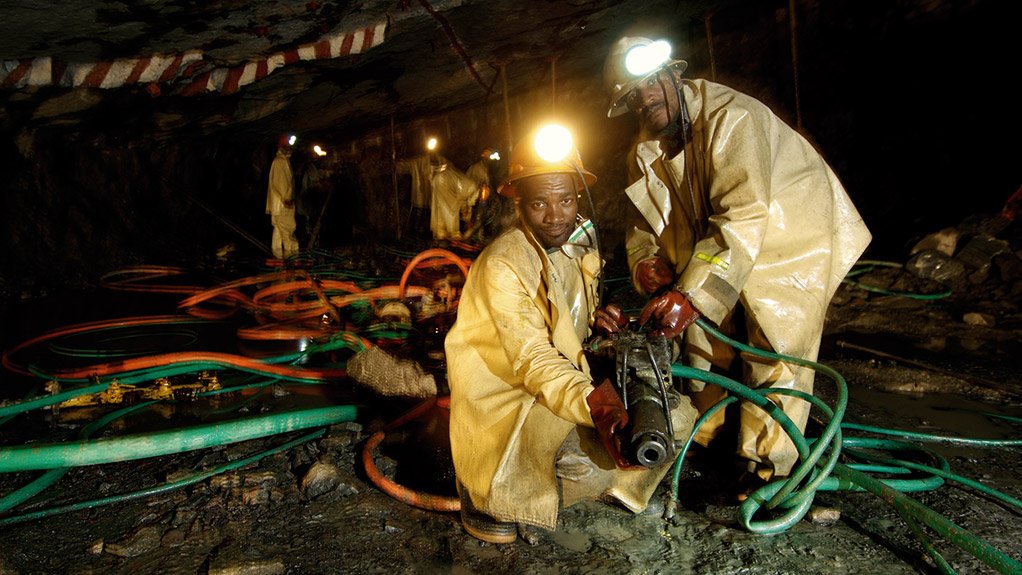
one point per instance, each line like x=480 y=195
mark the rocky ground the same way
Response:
x=937 y=366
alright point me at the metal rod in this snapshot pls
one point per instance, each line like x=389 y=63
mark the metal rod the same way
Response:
x=237 y=229
x=553 y=85
x=663 y=392
x=709 y=45
x=393 y=177
x=507 y=109
x=1003 y=388
x=794 y=62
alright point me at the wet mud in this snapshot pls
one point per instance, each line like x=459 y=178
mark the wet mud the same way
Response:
x=315 y=508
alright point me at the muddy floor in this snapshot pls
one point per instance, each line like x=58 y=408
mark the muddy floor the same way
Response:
x=944 y=366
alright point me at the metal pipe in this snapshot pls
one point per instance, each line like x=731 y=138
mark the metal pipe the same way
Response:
x=553 y=85
x=507 y=109
x=794 y=62
x=709 y=45
x=393 y=177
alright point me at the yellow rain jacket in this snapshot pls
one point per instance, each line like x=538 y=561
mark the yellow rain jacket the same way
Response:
x=452 y=191
x=748 y=213
x=280 y=190
x=519 y=378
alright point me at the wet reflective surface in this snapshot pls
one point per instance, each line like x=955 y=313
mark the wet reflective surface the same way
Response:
x=313 y=508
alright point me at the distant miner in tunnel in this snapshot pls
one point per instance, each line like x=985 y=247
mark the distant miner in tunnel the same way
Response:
x=738 y=220
x=527 y=422
x=280 y=201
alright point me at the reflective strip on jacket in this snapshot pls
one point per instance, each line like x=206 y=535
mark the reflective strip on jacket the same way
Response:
x=767 y=222
x=517 y=373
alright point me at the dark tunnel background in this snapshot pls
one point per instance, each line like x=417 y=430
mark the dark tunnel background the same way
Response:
x=912 y=104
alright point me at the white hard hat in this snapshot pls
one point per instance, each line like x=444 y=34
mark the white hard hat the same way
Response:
x=619 y=79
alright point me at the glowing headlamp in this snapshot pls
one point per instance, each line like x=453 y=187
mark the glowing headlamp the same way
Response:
x=495 y=155
x=292 y=139
x=431 y=144
x=641 y=60
x=318 y=150
x=553 y=143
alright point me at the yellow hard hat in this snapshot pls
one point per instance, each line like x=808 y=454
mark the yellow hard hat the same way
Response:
x=527 y=160
x=632 y=59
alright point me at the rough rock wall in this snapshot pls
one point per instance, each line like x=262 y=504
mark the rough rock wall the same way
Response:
x=909 y=101
x=75 y=209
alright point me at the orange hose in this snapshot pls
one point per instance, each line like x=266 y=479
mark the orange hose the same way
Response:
x=382 y=292
x=317 y=286
x=88 y=326
x=234 y=285
x=286 y=331
x=395 y=490
x=225 y=359
x=430 y=253
x=142 y=273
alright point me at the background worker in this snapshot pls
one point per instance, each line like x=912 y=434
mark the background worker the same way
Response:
x=421 y=168
x=453 y=193
x=523 y=402
x=738 y=220
x=280 y=201
x=311 y=195
x=479 y=172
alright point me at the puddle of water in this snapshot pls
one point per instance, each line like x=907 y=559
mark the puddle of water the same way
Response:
x=940 y=414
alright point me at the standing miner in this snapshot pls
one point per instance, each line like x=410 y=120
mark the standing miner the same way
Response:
x=739 y=220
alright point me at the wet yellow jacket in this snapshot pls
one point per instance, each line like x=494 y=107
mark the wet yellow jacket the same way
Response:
x=517 y=373
x=281 y=186
x=747 y=211
x=452 y=190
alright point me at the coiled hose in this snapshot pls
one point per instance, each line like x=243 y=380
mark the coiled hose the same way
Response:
x=790 y=498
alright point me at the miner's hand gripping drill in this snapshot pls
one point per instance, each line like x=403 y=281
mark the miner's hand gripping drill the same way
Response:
x=641 y=375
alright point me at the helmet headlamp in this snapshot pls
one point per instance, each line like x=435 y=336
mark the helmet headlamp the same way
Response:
x=552 y=143
x=643 y=59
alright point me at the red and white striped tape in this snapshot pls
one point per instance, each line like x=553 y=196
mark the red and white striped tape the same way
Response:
x=164 y=68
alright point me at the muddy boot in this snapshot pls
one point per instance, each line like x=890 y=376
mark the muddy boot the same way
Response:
x=482 y=526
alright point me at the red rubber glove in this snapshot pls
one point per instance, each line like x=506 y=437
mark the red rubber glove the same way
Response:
x=610 y=319
x=653 y=274
x=610 y=417
x=672 y=311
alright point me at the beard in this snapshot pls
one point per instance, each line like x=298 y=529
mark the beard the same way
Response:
x=671 y=129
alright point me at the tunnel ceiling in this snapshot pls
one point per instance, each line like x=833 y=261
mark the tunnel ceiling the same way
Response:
x=236 y=69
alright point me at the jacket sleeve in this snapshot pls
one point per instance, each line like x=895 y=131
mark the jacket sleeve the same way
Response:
x=640 y=244
x=739 y=161
x=516 y=303
x=640 y=240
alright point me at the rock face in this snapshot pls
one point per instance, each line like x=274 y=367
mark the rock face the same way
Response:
x=104 y=163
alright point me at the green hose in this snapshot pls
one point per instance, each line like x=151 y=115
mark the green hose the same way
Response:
x=870 y=265
x=153 y=444
x=28 y=491
x=786 y=494
x=182 y=482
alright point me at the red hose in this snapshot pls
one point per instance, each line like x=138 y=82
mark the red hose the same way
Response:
x=395 y=490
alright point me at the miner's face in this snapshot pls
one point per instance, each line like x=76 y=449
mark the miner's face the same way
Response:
x=655 y=102
x=548 y=204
